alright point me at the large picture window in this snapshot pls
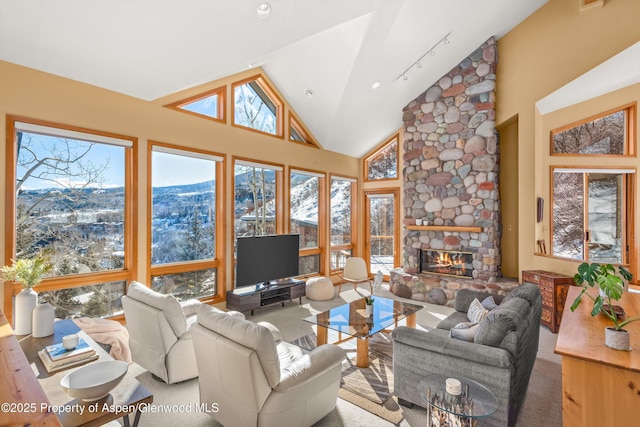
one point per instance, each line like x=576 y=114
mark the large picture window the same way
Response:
x=72 y=202
x=184 y=221
x=591 y=212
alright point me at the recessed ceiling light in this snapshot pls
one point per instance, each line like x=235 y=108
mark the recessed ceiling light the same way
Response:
x=375 y=85
x=263 y=10
x=309 y=92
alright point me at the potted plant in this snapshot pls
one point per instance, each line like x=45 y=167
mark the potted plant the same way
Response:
x=369 y=305
x=610 y=284
x=28 y=272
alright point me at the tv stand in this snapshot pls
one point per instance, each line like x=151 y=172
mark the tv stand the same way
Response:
x=265 y=295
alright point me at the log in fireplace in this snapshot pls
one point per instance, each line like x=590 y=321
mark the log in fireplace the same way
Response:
x=448 y=263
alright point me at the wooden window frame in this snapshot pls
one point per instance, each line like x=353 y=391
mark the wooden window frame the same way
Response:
x=127 y=273
x=273 y=96
x=296 y=124
x=353 y=214
x=219 y=260
x=630 y=111
x=221 y=92
x=279 y=171
x=373 y=153
x=632 y=252
x=322 y=216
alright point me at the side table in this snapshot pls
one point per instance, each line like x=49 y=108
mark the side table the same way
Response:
x=446 y=410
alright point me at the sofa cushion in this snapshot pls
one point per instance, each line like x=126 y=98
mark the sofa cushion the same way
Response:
x=504 y=318
x=476 y=311
x=452 y=320
x=489 y=303
x=465 y=331
x=464 y=297
x=527 y=291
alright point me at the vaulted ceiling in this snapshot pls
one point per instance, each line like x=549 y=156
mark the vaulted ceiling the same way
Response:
x=338 y=49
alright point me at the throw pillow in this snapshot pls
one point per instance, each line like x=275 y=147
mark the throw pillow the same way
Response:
x=476 y=311
x=465 y=331
x=489 y=303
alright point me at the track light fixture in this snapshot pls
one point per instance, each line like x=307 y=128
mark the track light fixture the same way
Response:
x=418 y=62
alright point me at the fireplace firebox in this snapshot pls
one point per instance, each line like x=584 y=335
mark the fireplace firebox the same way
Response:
x=448 y=263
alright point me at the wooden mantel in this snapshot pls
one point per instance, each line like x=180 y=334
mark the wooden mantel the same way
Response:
x=451 y=228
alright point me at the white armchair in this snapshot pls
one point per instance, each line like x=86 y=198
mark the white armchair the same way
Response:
x=256 y=380
x=160 y=332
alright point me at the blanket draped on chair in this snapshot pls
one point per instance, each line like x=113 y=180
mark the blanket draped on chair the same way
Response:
x=107 y=332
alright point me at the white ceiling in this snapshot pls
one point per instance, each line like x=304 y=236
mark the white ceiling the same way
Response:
x=149 y=49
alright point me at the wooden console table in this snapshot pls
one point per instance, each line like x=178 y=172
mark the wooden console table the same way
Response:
x=19 y=387
x=600 y=386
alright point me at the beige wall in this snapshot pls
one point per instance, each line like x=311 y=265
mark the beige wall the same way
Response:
x=548 y=50
x=32 y=94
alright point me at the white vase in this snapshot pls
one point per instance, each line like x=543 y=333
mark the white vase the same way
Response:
x=25 y=302
x=43 y=317
x=368 y=309
x=618 y=340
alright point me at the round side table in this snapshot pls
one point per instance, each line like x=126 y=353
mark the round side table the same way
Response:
x=446 y=410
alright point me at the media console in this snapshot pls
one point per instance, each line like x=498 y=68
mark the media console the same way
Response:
x=249 y=298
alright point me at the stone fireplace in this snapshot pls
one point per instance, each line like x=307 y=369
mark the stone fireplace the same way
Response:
x=450 y=180
x=446 y=263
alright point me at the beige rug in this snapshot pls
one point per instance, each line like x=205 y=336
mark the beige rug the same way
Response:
x=368 y=388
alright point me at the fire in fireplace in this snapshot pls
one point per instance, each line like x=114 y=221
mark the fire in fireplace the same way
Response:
x=449 y=263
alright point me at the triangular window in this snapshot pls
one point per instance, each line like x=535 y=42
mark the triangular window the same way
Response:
x=209 y=105
x=297 y=133
x=256 y=106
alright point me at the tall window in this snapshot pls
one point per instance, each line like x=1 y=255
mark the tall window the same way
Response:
x=256 y=106
x=591 y=211
x=209 y=105
x=304 y=205
x=383 y=162
x=183 y=221
x=605 y=134
x=72 y=201
x=381 y=230
x=255 y=194
x=342 y=210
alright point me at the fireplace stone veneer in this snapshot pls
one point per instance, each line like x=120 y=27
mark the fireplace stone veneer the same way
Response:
x=451 y=168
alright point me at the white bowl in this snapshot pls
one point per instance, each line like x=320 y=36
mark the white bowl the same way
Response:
x=94 y=381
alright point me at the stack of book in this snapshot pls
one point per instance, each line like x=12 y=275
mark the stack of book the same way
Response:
x=55 y=357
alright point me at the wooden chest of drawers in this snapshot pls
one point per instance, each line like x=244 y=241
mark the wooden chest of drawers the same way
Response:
x=553 y=288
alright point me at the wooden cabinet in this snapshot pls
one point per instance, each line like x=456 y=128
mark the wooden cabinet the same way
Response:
x=553 y=288
x=599 y=384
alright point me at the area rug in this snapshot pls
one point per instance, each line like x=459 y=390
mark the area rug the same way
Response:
x=368 y=388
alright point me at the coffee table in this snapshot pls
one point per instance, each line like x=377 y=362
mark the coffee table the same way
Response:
x=352 y=320
x=128 y=397
x=446 y=410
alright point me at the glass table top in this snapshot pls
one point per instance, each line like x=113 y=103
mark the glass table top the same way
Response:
x=352 y=319
x=476 y=401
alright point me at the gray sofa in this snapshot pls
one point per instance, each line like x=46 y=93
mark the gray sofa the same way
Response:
x=501 y=358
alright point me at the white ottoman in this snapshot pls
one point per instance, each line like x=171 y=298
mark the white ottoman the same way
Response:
x=320 y=289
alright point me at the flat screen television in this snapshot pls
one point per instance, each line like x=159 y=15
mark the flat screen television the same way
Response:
x=260 y=260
